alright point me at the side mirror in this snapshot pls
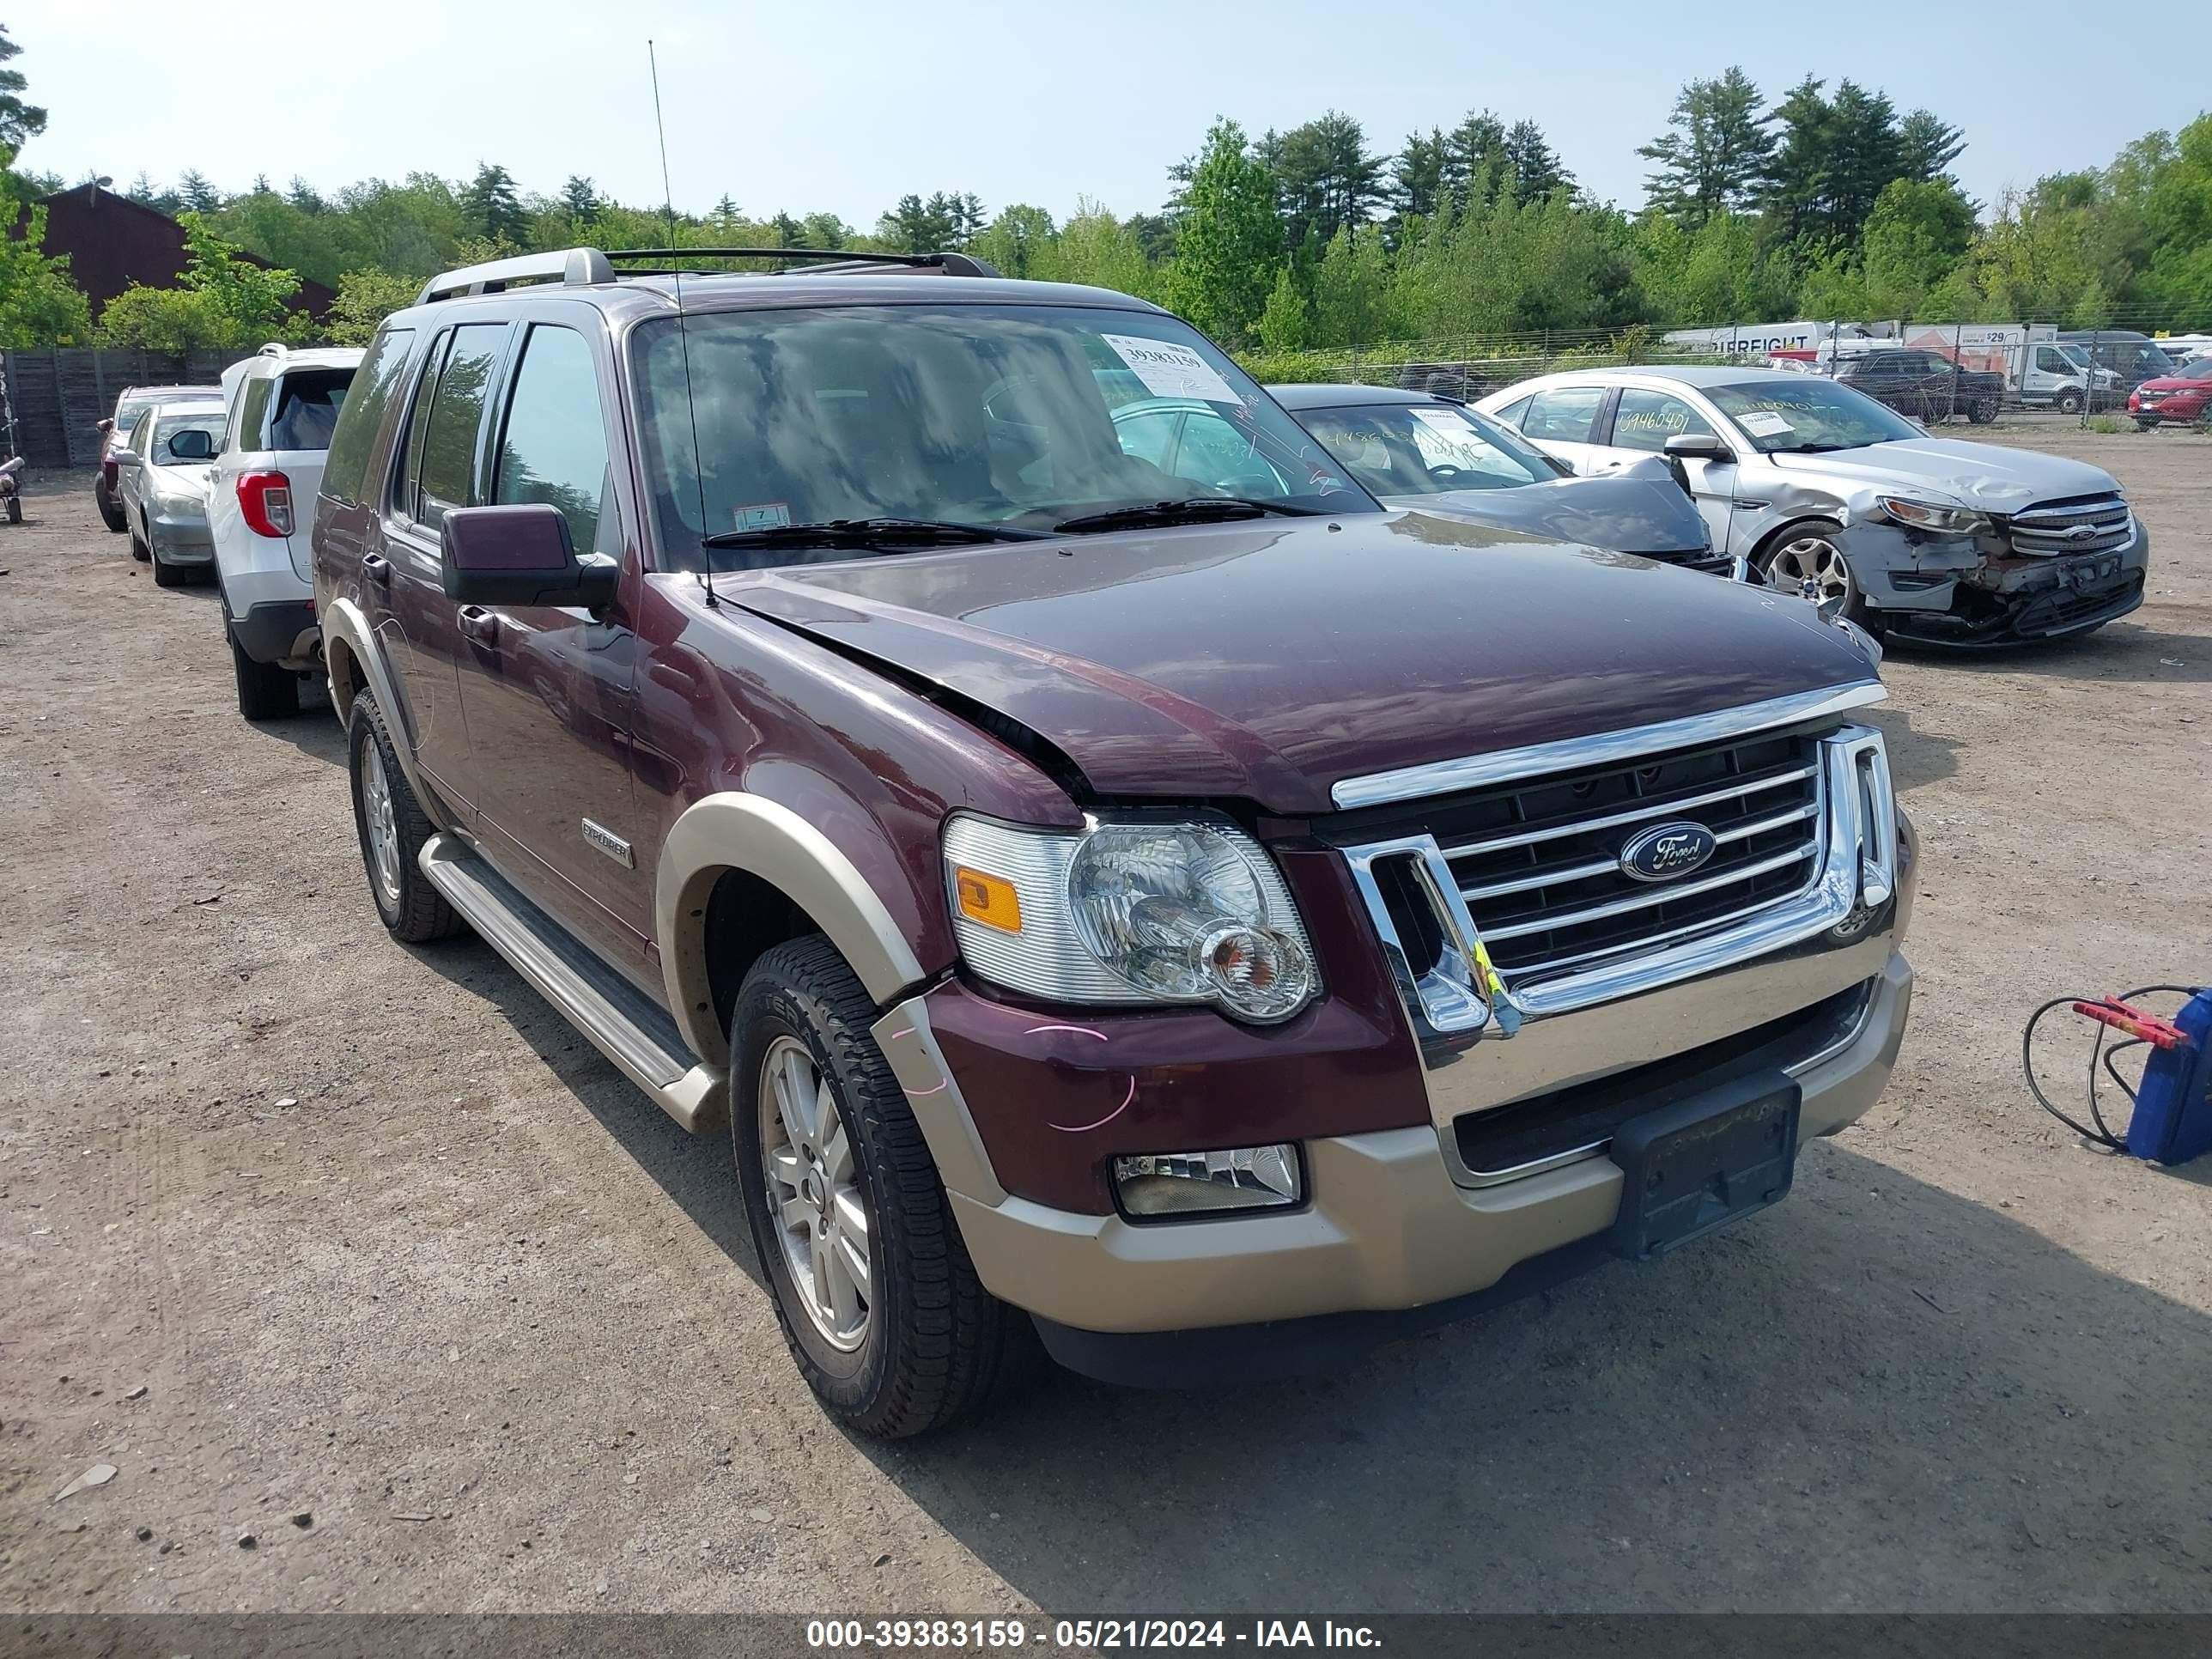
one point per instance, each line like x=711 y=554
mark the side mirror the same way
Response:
x=103 y=426
x=520 y=556
x=1696 y=446
x=191 y=445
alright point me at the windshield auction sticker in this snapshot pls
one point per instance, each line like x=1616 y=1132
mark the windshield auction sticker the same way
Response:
x=1763 y=423
x=1168 y=370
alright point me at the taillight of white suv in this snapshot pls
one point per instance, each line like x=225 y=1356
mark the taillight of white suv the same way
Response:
x=265 y=501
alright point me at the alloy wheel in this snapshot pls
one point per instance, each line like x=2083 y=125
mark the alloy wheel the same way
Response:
x=814 y=1198
x=1811 y=566
x=382 y=822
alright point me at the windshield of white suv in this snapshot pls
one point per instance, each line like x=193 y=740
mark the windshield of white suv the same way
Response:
x=1425 y=449
x=1796 y=418
x=998 y=418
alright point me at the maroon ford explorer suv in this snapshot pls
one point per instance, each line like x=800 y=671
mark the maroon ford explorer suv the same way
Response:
x=1222 y=923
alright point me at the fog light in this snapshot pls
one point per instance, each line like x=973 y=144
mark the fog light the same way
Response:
x=1182 y=1183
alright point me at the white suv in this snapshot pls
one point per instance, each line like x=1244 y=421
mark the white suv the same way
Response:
x=282 y=406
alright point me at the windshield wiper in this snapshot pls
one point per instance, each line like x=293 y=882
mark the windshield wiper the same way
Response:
x=1192 y=509
x=1813 y=449
x=870 y=532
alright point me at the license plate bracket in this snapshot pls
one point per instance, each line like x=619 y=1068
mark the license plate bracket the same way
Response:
x=1700 y=1163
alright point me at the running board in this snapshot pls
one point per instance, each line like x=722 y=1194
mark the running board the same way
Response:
x=622 y=1023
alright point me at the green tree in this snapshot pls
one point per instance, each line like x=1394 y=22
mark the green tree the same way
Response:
x=1926 y=146
x=1230 y=240
x=365 y=298
x=1418 y=175
x=1476 y=167
x=580 y=199
x=1717 y=157
x=1017 y=241
x=1324 y=176
x=39 y=303
x=493 y=206
x=20 y=122
x=1533 y=167
x=1352 y=287
x=174 y=320
x=1285 y=322
x=197 y=195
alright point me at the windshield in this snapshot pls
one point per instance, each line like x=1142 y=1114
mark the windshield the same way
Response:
x=1784 y=418
x=998 y=417
x=2199 y=369
x=1425 y=449
x=208 y=421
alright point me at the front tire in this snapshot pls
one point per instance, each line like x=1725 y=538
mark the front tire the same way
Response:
x=1802 y=558
x=1982 y=411
x=877 y=1300
x=111 y=510
x=392 y=828
x=2069 y=403
x=165 y=574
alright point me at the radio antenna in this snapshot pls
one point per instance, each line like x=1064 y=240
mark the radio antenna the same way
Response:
x=682 y=338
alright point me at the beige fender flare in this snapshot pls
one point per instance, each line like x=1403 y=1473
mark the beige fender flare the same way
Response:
x=346 y=631
x=733 y=830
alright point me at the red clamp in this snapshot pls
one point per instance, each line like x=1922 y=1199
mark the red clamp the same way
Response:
x=2159 y=1033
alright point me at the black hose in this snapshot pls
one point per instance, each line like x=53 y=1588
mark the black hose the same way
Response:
x=2102 y=1135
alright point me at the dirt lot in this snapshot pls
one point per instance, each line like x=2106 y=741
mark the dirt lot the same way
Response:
x=360 y=1251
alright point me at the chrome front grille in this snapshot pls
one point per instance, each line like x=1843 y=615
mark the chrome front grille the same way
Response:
x=2088 y=524
x=1540 y=865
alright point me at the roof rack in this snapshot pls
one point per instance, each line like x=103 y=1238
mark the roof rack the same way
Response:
x=572 y=266
x=578 y=266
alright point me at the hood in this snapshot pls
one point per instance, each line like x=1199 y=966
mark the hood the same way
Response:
x=1640 y=510
x=1983 y=475
x=1266 y=661
x=2176 y=383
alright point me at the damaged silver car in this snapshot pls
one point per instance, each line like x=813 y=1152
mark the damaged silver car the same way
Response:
x=1828 y=493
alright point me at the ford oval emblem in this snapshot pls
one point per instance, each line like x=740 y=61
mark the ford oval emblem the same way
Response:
x=1666 y=851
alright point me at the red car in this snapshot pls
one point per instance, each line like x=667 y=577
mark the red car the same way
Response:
x=2181 y=398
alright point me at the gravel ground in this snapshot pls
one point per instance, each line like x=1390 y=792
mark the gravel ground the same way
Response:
x=379 y=1290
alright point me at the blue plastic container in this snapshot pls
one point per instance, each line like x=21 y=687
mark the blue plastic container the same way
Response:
x=2172 y=1121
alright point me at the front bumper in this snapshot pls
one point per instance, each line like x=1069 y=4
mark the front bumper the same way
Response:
x=1955 y=592
x=181 y=538
x=1387 y=1228
x=2171 y=412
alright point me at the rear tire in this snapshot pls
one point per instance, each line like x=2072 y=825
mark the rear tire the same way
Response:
x=266 y=690
x=393 y=829
x=911 y=1341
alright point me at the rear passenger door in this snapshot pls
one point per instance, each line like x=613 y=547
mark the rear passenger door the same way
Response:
x=443 y=467
x=1563 y=421
x=545 y=689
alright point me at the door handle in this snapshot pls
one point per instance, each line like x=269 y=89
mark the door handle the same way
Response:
x=480 y=624
x=376 y=566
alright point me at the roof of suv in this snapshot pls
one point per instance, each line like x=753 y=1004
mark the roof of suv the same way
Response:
x=589 y=275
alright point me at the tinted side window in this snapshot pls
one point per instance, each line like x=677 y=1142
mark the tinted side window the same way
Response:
x=252 y=412
x=1514 y=413
x=555 y=448
x=1645 y=420
x=348 y=459
x=1564 y=416
x=446 y=474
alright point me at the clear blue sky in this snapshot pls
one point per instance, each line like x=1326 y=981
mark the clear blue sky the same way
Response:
x=843 y=106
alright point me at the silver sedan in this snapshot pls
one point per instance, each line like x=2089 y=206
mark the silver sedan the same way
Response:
x=1832 y=495
x=161 y=483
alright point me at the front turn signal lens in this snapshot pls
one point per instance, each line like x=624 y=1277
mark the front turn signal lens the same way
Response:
x=990 y=900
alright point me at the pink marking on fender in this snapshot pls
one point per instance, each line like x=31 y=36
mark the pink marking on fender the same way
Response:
x=903 y=1030
x=924 y=1094
x=1085 y=1128
x=1079 y=1030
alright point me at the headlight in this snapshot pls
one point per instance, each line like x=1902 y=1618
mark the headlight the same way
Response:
x=1932 y=515
x=1129 y=911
